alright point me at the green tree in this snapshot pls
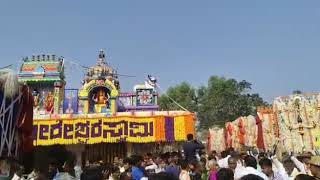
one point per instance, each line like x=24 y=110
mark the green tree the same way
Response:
x=225 y=100
x=220 y=101
x=183 y=93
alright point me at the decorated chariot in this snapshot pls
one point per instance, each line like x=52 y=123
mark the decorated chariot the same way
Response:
x=98 y=120
x=292 y=124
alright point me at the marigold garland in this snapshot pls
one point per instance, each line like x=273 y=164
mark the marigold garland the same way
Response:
x=110 y=130
x=179 y=126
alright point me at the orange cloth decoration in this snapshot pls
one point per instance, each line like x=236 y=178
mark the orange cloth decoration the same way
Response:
x=260 y=138
x=242 y=132
x=229 y=133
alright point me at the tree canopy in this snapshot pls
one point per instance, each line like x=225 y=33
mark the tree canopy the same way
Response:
x=183 y=93
x=220 y=101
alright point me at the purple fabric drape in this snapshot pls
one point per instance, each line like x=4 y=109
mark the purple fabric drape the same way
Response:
x=169 y=125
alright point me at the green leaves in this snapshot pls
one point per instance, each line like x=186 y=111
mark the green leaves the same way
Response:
x=226 y=100
x=184 y=94
x=220 y=101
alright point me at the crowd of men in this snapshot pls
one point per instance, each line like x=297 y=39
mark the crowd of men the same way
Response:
x=191 y=164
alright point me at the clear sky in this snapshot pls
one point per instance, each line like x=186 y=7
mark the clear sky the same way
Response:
x=273 y=44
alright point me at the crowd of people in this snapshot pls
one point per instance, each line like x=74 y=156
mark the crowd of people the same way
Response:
x=190 y=164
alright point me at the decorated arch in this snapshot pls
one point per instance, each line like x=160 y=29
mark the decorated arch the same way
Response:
x=92 y=88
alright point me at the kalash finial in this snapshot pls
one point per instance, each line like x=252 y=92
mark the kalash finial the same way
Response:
x=102 y=57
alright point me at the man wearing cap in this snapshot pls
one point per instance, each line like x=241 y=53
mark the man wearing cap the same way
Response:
x=314 y=164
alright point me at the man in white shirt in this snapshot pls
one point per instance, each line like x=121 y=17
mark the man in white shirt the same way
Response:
x=266 y=166
x=250 y=168
x=287 y=169
x=232 y=163
x=78 y=171
x=184 y=174
x=68 y=173
x=64 y=176
x=223 y=163
x=34 y=174
x=16 y=177
x=19 y=172
x=302 y=166
x=156 y=166
x=153 y=166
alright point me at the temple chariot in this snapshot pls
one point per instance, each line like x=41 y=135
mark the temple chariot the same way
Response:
x=292 y=124
x=98 y=120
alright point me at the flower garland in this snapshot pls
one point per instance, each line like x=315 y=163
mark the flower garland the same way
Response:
x=160 y=126
x=113 y=130
x=180 y=129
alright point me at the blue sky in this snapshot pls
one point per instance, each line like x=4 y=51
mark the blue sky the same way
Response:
x=273 y=44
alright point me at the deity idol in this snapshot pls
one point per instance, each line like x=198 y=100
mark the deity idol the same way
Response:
x=36 y=101
x=298 y=123
x=100 y=99
x=70 y=101
x=49 y=103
